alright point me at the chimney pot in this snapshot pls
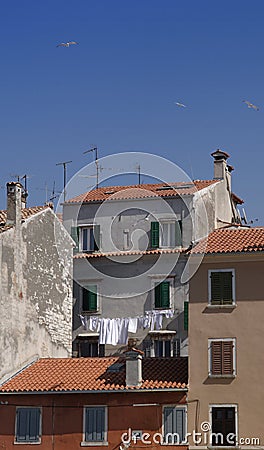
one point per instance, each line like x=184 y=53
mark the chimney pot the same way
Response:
x=133 y=367
x=14 y=203
x=220 y=164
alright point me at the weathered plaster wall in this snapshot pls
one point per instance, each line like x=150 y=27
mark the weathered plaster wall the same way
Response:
x=36 y=292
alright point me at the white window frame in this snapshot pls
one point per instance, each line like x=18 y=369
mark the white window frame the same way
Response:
x=85 y=443
x=157 y=280
x=223 y=405
x=182 y=407
x=40 y=426
x=169 y=222
x=82 y=227
x=210 y=357
x=233 y=288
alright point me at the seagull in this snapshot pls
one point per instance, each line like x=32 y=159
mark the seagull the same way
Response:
x=250 y=105
x=67 y=44
x=180 y=104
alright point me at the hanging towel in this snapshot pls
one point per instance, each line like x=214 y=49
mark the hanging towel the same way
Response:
x=132 y=324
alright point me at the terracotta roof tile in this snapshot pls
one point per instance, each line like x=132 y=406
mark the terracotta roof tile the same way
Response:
x=128 y=253
x=142 y=191
x=96 y=374
x=25 y=214
x=232 y=240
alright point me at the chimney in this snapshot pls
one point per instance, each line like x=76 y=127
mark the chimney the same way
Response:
x=220 y=164
x=14 y=203
x=133 y=367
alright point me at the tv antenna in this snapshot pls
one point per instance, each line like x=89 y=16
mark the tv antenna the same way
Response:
x=95 y=150
x=139 y=173
x=64 y=164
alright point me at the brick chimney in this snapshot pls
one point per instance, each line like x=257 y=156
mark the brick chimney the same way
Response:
x=133 y=367
x=14 y=203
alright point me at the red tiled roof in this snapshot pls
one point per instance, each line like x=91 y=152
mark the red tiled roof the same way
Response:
x=142 y=191
x=232 y=240
x=95 y=374
x=25 y=214
x=129 y=253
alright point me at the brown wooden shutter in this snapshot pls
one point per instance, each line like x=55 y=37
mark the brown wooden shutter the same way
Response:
x=216 y=358
x=227 y=357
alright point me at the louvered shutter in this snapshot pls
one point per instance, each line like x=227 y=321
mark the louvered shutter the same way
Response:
x=216 y=358
x=28 y=425
x=178 y=233
x=176 y=345
x=221 y=288
x=147 y=346
x=227 y=288
x=96 y=237
x=186 y=316
x=227 y=357
x=154 y=234
x=75 y=237
x=95 y=424
x=216 y=288
x=89 y=300
x=162 y=295
x=174 y=424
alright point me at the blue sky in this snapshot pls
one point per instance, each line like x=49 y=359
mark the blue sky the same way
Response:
x=117 y=88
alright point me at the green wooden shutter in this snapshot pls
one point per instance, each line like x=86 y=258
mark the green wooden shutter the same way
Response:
x=75 y=237
x=96 y=235
x=227 y=288
x=221 y=288
x=178 y=233
x=186 y=316
x=162 y=295
x=89 y=300
x=154 y=234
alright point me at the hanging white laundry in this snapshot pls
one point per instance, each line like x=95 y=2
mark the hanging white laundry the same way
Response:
x=84 y=322
x=158 y=320
x=94 y=323
x=123 y=331
x=104 y=325
x=132 y=324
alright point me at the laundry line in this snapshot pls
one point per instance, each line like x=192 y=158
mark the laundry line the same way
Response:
x=114 y=331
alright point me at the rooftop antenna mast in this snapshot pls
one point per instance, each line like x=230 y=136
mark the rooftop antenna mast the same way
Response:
x=25 y=177
x=139 y=173
x=64 y=164
x=95 y=150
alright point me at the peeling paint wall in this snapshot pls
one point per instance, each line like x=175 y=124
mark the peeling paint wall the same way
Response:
x=36 y=292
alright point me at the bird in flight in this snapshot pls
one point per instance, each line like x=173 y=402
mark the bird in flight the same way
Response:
x=67 y=44
x=181 y=105
x=250 y=105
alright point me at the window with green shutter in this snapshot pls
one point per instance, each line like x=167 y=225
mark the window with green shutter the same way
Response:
x=162 y=295
x=154 y=234
x=174 y=424
x=221 y=284
x=89 y=298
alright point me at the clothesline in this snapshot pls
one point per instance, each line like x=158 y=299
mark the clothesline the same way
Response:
x=115 y=331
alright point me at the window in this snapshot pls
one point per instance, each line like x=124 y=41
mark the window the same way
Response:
x=222 y=357
x=174 y=425
x=126 y=239
x=223 y=420
x=89 y=347
x=166 y=234
x=89 y=297
x=28 y=427
x=162 y=293
x=221 y=287
x=95 y=424
x=161 y=346
x=87 y=238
